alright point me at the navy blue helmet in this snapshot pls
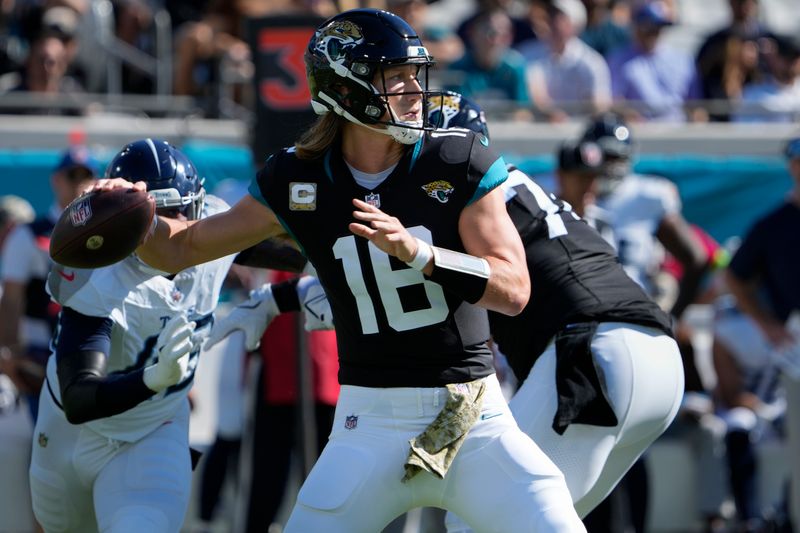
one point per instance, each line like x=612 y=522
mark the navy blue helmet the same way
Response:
x=611 y=134
x=171 y=178
x=345 y=54
x=453 y=110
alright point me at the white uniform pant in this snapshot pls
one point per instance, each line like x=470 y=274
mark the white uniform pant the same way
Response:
x=500 y=481
x=643 y=374
x=84 y=481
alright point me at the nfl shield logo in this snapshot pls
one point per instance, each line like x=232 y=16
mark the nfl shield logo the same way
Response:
x=351 y=421
x=80 y=212
x=373 y=199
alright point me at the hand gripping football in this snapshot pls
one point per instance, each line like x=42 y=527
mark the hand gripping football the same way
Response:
x=101 y=228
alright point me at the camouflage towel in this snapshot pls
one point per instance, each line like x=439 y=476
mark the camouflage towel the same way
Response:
x=434 y=449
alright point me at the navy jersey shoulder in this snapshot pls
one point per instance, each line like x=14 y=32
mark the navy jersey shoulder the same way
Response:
x=389 y=316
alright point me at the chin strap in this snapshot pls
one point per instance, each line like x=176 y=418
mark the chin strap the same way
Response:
x=409 y=134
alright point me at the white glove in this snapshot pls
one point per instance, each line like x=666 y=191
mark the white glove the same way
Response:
x=315 y=305
x=174 y=345
x=251 y=317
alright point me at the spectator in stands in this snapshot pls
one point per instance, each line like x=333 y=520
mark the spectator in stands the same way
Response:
x=183 y=11
x=212 y=56
x=27 y=316
x=205 y=47
x=728 y=58
x=133 y=21
x=777 y=97
x=651 y=79
x=565 y=76
x=723 y=72
x=607 y=25
x=762 y=276
x=441 y=43
x=490 y=69
x=521 y=29
x=45 y=74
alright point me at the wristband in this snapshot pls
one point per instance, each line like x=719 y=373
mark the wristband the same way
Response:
x=423 y=255
x=462 y=274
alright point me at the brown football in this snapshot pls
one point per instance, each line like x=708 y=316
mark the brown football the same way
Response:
x=101 y=228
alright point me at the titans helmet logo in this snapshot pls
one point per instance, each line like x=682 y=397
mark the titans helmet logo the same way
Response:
x=336 y=38
x=439 y=190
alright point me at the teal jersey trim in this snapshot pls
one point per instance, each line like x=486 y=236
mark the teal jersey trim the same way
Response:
x=327 y=164
x=415 y=155
x=255 y=192
x=495 y=176
x=289 y=232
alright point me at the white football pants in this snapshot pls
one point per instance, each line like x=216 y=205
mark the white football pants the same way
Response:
x=642 y=370
x=500 y=481
x=83 y=481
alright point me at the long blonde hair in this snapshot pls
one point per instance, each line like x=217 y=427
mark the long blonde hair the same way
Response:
x=318 y=138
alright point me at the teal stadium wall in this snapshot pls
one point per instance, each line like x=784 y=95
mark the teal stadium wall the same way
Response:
x=723 y=195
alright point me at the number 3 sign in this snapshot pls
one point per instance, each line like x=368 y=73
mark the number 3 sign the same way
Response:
x=283 y=108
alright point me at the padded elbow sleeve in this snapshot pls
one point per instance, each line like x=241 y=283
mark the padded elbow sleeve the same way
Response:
x=87 y=393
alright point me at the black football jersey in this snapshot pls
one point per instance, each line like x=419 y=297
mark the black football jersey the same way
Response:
x=575 y=277
x=394 y=326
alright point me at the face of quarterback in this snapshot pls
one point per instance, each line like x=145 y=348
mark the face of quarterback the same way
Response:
x=406 y=93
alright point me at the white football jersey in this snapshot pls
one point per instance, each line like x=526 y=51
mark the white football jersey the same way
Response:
x=140 y=301
x=634 y=210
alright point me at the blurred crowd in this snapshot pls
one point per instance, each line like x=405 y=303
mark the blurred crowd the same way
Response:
x=543 y=60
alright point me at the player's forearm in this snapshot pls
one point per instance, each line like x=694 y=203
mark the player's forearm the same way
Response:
x=165 y=248
x=87 y=393
x=508 y=289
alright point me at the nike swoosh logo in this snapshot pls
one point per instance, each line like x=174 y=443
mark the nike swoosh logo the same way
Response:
x=68 y=277
x=249 y=306
x=488 y=416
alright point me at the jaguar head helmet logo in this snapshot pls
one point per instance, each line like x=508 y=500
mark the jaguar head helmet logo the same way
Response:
x=336 y=38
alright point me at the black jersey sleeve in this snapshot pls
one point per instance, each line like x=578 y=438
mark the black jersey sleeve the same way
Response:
x=486 y=169
x=273 y=254
x=87 y=392
x=257 y=187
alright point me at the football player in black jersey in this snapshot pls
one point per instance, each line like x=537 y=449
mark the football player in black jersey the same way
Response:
x=421 y=420
x=601 y=375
